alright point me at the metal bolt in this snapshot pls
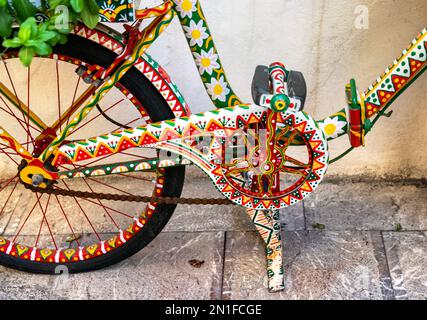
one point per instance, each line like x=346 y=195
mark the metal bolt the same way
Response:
x=37 y=180
x=87 y=79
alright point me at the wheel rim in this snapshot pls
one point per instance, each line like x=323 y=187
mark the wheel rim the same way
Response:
x=56 y=229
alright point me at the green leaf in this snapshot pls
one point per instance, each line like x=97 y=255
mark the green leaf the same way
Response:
x=26 y=55
x=93 y=6
x=24 y=9
x=3 y=3
x=43 y=49
x=12 y=43
x=43 y=27
x=77 y=5
x=89 y=19
x=59 y=38
x=27 y=29
x=6 y=23
x=46 y=36
x=55 y=3
x=54 y=41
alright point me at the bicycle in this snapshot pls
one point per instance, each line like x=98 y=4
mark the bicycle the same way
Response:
x=264 y=156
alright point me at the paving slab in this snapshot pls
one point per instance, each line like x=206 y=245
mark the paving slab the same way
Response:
x=318 y=265
x=160 y=271
x=367 y=206
x=220 y=218
x=407 y=257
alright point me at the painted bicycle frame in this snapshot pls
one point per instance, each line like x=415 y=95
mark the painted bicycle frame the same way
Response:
x=357 y=119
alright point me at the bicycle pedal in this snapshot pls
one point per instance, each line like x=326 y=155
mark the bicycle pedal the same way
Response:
x=297 y=87
x=260 y=83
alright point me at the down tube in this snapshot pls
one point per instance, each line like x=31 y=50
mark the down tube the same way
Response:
x=205 y=54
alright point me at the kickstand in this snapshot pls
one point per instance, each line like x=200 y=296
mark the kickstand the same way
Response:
x=268 y=226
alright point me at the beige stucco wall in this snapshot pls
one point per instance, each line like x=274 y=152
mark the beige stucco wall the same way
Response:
x=319 y=38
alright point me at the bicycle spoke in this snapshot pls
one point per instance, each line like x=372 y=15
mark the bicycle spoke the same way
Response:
x=110 y=186
x=7 y=154
x=16 y=95
x=84 y=212
x=27 y=217
x=100 y=203
x=58 y=92
x=74 y=96
x=68 y=221
x=87 y=221
x=97 y=204
x=8 y=198
x=13 y=115
x=8 y=182
x=95 y=117
x=47 y=223
x=28 y=102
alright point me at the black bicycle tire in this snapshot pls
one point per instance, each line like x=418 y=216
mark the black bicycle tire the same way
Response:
x=158 y=110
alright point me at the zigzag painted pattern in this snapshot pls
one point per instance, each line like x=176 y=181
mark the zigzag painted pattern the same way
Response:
x=216 y=123
x=397 y=77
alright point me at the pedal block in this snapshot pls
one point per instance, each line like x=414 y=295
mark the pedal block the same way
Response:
x=260 y=83
x=297 y=87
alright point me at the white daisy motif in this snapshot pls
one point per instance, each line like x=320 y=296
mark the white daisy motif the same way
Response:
x=186 y=7
x=332 y=127
x=196 y=33
x=218 y=89
x=207 y=61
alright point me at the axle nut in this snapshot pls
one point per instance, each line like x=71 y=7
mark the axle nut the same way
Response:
x=37 y=180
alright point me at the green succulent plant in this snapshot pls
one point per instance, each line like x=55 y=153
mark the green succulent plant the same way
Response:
x=37 y=38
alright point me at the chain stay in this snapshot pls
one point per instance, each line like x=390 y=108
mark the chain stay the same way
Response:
x=130 y=198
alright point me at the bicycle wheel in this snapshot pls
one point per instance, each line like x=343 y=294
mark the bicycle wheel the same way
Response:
x=38 y=232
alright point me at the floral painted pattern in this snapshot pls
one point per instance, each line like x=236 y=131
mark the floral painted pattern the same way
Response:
x=186 y=7
x=218 y=89
x=205 y=54
x=196 y=33
x=333 y=127
x=206 y=61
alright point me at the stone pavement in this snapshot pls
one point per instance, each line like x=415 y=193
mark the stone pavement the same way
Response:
x=354 y=239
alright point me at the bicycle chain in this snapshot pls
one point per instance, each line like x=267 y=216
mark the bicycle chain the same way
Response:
x=130 y=198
